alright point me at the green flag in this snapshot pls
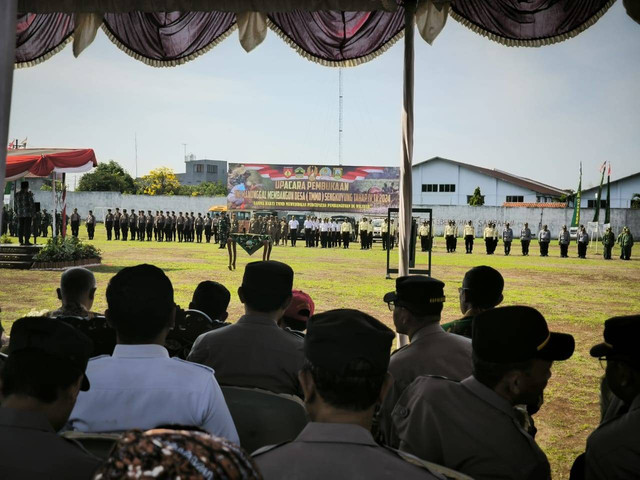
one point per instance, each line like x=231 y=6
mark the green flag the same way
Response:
x=575 y=220
x=607 y=211
x=596 y=215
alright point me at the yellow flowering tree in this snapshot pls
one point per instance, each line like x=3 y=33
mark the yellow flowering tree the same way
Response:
x=160 y=181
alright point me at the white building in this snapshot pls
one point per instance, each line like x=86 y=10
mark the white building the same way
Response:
x=439 y=181
x=622 y=191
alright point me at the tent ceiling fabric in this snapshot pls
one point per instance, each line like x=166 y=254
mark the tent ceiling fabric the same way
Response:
x=42 y=162
x=331 y=38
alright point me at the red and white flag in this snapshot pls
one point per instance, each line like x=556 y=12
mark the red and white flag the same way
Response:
x=609 y=172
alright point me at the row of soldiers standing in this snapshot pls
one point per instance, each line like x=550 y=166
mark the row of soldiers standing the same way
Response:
x=491 y=236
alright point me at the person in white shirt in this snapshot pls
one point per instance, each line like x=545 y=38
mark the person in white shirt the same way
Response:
x=293 y=230
x=324 y=232
x=139 y=386
x=308 y=224
x=315 y=232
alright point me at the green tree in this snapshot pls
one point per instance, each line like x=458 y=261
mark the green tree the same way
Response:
x=205 y=189
x=107 y=177
x=635 y=200
x=159 y=181
x=477 y=199
x=567 y=197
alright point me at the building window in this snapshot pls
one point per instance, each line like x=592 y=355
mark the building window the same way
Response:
x=448 y=187
x=594 y=203
x=212 y=169
x=199 y=168
x=515 y=198
x=429 y=187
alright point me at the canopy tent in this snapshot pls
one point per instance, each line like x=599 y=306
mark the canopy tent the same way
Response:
x=37 y=162
x=218 y=208
x=331 y=32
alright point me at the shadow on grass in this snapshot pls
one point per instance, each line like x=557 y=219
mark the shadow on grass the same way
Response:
x=116 y=269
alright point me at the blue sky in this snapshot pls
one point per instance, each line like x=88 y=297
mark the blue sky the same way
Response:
x=534 y=112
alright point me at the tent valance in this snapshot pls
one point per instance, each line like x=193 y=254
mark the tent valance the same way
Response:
x=334 y=38
x=43 y=162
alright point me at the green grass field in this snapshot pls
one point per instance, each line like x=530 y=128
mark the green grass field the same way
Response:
x=575 y=295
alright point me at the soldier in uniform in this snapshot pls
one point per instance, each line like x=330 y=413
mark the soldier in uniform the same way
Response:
x=481 y=290
x=384 y=230
x=625 y=239
x=160 y=226
x=525 y=239
x=116 y=224
x=342 y=383
x=41 y=379
x=155 y=225
x=284 y=231
x=199 y=226
x=180 y=221
x=469 y=236
x=507 y=238
x=254 y=352
x=75 y=222
x=142 y=225
x=346 y=229
x=417 y=305
x=214 y=227
x=207 y=227
x=133 y=224
x=90 y=223
x=108 y=223
x=488 y=238
x=234 y=225
x=35 y=223
x=442 y=421
x=613 y=449
x=224 y=226
x=150 y=224
x=583 y=242
x=168 y=227
x=46 y=223
x=363 y=229
x=449 y=236
x=174 y=226
x=563 y=240
x=24 y=207
x=124 y=224
x=544 y=238
x=608 y=241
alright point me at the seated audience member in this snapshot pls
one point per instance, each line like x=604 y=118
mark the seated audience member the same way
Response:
x=254 y=352
x=211 y=299
x=471 y=426
x=481 y=290
x=296 y=316
x=174 y=454
x=41 y=379
x=613 y=449
x=76 y=292
x=139 y=386
x=417 y=304
x=343 y=380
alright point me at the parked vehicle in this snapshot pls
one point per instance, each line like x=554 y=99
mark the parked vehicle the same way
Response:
x=377 y=229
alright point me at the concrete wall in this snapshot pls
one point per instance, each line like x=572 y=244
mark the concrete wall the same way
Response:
x=621 y=192
x=554 y=218
x=495 y=191
x=100 y=201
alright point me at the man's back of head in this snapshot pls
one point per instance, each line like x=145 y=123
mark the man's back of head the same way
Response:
x=211 y=298
x=77 y=285
x=481 y=289
x=140 y=304
x=266 y=286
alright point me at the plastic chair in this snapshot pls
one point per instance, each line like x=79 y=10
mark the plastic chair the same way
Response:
x=264 y=418
x=99 y=444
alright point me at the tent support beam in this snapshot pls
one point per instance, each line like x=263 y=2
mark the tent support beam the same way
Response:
x=406 y=197
x=8 y=16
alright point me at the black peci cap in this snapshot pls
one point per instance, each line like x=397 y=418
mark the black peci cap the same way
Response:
x=621 y=336
x=417 y=293
x=337 y=337
x=53 y=337
x=268 y=276
x=517 y=334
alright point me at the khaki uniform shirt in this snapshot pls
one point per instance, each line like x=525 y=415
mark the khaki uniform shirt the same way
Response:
x=468 y=427
x=30 y=448
x=363 y=227
x=345 y=227
x=432 y=351
x=335 y=451
x=253 y=352
x=423 y=231
x=469 y=230
x=449 y=231
x=613 y=449
x=489 y=233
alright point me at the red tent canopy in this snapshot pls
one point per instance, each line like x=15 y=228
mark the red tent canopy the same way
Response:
x=41 y=162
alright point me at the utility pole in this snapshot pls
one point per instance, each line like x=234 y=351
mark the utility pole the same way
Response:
x=340 y=114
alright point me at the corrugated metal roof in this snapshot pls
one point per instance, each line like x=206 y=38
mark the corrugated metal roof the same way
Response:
x=505 y=176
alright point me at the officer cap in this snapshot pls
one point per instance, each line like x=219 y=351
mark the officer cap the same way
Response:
x=417 y=293
x=517 y=334
x=337 y=337
x=621 y=336
x=268 y=276
x=55 y=338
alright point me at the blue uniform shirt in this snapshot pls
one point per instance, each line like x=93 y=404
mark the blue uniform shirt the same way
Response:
x=139 y=386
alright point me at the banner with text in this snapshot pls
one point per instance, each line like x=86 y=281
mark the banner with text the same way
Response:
x=365 y=190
